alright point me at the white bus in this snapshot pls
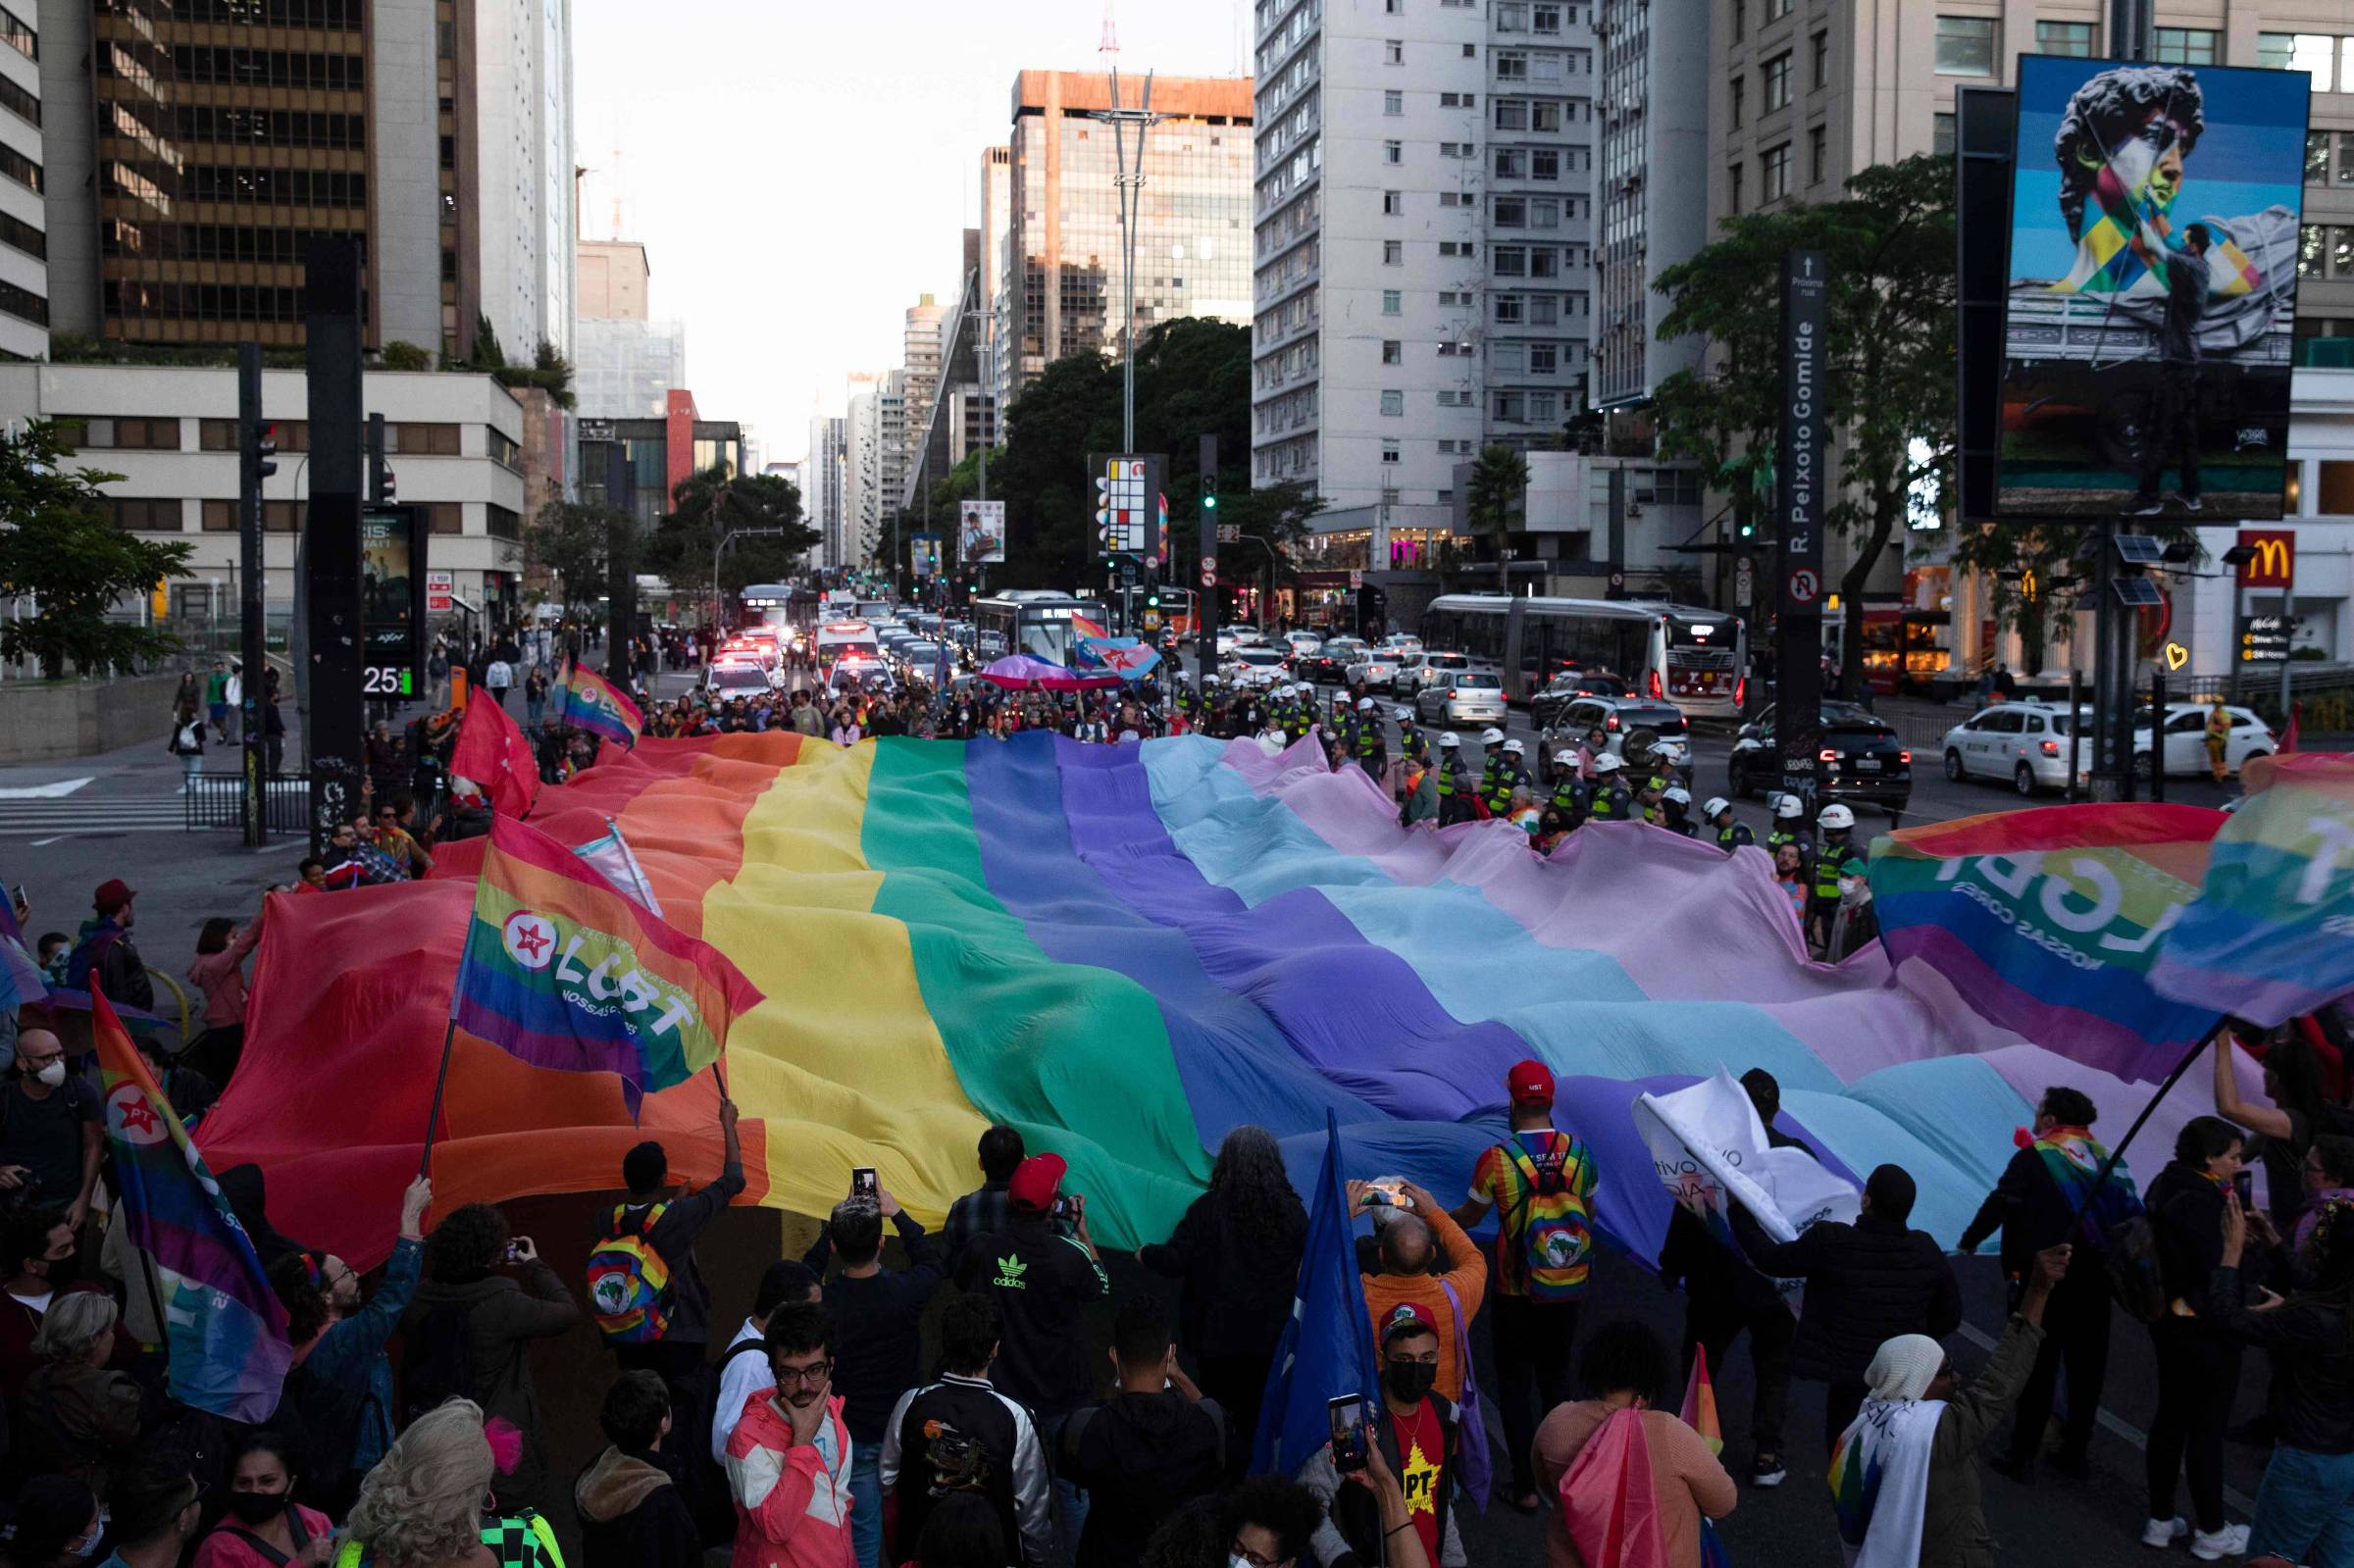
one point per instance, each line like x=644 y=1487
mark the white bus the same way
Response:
x=838 y=640
x=1680 y=653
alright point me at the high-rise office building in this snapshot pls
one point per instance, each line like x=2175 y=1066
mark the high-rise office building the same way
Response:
x=1652 y=112
x=1062 y=258
x=1424 y=249
x=996 y=195
x=197 y=148
x=919 y=359
x=622 y=362
x=23 y=240
x=821 y=484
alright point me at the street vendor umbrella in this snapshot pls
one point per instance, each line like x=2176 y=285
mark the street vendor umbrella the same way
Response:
x=1019 y=672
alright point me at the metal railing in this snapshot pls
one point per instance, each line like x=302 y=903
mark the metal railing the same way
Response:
x=218 y=800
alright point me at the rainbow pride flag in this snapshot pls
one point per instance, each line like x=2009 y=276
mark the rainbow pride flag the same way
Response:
x=225 y=1328
x=1700 y=1402
x=595 y=704
x=561 y=969
x=2047 y=923
x=1125 y=952
x=2268 y=937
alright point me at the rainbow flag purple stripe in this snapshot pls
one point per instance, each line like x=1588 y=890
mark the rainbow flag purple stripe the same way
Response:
x=595 y=704
x=224 y=1326
x=2268 y=937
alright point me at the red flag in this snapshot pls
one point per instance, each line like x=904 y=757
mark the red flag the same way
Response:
x=492 y=752
x=2288 y=737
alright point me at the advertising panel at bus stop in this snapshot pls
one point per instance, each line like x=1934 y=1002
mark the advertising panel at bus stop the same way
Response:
x=2149 y=322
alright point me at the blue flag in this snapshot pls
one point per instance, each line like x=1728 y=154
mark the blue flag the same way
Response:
x=1327 y=1349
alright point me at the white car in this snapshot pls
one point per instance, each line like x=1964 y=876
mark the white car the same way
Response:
x=1254 y=665
x=1233 y=638
x=739 y=678
x=1402 y=644
x=1304 y=645
x=2185 y=730
x=2025 y=743
x=1375 y=669
x=1429 y=669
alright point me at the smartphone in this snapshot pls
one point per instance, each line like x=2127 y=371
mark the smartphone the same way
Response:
x=514 y=1254
x=863 y=1183
x=1346 y=1415
x=2243 y=1182
x=17 y=894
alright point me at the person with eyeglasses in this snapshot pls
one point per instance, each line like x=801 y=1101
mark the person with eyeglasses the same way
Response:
x=154 y=1513
x=788 y=1459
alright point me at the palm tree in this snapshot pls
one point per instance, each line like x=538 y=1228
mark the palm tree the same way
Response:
x=1499 y=487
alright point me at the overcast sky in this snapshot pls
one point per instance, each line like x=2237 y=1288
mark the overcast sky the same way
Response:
x=800 y=171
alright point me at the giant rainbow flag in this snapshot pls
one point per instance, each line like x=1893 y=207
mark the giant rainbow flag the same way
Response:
x=1125 y=952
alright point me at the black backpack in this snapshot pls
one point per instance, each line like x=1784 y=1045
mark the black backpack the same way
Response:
x=437 y=1360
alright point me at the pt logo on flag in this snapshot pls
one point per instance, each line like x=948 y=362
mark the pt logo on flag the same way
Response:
x=131 y=1119
x=529 y=939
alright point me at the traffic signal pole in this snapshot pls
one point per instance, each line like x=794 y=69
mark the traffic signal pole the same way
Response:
x=1206 y=615
x=256 y=461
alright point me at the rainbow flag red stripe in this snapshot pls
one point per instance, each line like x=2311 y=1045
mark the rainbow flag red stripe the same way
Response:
x=560 y=970
x=595 y=704
x=227 y=1330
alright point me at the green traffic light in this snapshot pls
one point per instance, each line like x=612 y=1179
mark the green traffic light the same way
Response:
x=1210 y=501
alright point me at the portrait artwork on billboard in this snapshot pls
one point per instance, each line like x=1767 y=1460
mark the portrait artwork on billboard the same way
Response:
x=2149 y=328
x=980 y=539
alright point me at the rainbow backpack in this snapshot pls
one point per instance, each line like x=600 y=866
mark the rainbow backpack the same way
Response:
x=629 y=1283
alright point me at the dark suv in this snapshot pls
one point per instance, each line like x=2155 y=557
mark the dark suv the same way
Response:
x=1861 y=761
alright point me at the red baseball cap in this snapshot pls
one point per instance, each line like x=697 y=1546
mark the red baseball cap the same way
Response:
x=1406 y=1318
x=1035 y=1182
x=1531 y=1083
x=113 y=893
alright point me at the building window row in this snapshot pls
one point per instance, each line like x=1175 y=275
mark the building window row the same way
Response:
x=277 y=517
x=1970 y=46
x=223 y=242
x=85 y=432
x=271 y=127
x=341 y=15
x=1521 y=114
x=2327 y=59
x=277 y=187
x=20 y=168
x=268 y=68
x=1513 y=16
x=1528 y=163
x=15 y=230
x=19 y=35
x=23 y=304
x=140 y=514
x=137 y=299
x=220 y=435
x=18 y=102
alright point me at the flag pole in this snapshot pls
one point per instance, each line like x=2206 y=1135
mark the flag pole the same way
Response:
x=432 y=1118
x=719 y=1078
x=2117 y=1154
x=155 y=1296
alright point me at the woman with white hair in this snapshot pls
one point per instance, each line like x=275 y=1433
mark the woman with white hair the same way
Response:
x=427 y=1503
x=1905 y=1475
x=87 y=1413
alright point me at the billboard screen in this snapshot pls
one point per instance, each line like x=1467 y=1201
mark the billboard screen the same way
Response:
x=392 y=589
x=2148 y=328
x=981 y=536
x=1128 y=504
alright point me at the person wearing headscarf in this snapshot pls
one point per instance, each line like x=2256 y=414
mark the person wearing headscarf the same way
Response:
x=1905 y=1475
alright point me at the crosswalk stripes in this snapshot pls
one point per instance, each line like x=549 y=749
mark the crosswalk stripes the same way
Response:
x=98 y=814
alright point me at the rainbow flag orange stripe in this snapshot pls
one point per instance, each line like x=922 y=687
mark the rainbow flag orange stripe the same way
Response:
x=595 y=704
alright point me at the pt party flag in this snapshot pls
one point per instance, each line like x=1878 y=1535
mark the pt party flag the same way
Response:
x=1326 y=1349
x=2268 y=937
x=595 y=704
x=223 y=1325
x=492 y=752
x=2048 y=922
x=562 y=969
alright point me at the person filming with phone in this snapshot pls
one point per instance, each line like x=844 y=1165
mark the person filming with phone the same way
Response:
x=1414 y=1434
x=1042 y=1281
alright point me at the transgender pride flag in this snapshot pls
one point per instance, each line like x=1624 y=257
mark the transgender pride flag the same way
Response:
x=224 y=1328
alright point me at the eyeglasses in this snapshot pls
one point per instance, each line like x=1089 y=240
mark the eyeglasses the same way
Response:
x=808 y=1377
x=1254 y=1560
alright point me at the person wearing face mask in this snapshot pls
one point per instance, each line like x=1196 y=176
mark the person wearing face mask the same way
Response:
x=156 y=1511
x=265 y=1527
x=341 y=1389
x=633 y=1513
x=55 y=1524
x=39 y=1257
x=50 y=1134
x=1417 y=1434
x=76 y=1412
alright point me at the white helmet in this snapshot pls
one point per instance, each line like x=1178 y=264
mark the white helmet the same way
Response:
x=1490 y=735
x=1449 y=741
x=1677 y=793
x=1607 y=762
x=1513 y=748
x=1834 y=818
x=1713 y=805
x=1402 y=715
x=1364 y=704
x=1789 y=808
x=1564 y=759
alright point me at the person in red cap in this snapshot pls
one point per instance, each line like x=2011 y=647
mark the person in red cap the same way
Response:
x=103 y=946
x=1417 y=1434
x=1042 y=1281
x=1541 y=1182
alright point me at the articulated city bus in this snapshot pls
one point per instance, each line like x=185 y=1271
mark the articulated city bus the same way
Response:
x=1035 y=621
x=1684 y=654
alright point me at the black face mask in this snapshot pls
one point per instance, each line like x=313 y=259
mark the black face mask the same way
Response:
x=258 y=1507
x=1410 y=1382
x=62 y=1272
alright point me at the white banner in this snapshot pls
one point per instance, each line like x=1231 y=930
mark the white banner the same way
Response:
x=1707 y=1143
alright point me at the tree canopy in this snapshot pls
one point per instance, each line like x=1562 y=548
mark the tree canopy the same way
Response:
x=1888 y=381
x=62 y=550
x=707 y=506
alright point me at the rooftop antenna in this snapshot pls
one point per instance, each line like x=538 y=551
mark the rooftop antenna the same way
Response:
x=1109 y=48
x=617 y=184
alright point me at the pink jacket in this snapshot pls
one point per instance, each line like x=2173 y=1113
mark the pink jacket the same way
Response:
x=221 y=976
x=792 y=1502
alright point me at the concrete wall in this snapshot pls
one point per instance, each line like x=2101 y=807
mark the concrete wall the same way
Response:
x=45 y=722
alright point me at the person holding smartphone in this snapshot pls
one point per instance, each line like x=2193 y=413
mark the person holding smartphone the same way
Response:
x=1415 y=1436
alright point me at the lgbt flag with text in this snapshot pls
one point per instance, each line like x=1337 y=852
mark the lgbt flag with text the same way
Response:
x=2268 y=937
x=562 y=969
x=595 y=704
x=2047 y=922
x=223 y=1325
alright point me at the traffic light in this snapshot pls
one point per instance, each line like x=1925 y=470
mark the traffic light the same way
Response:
x=1209 y=493
x=261 y=451
x=1152 y=599
x=1746 y=528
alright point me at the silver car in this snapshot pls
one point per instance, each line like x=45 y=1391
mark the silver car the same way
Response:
x=1470 y=697
x=1377 y=668
x=2025 y=743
